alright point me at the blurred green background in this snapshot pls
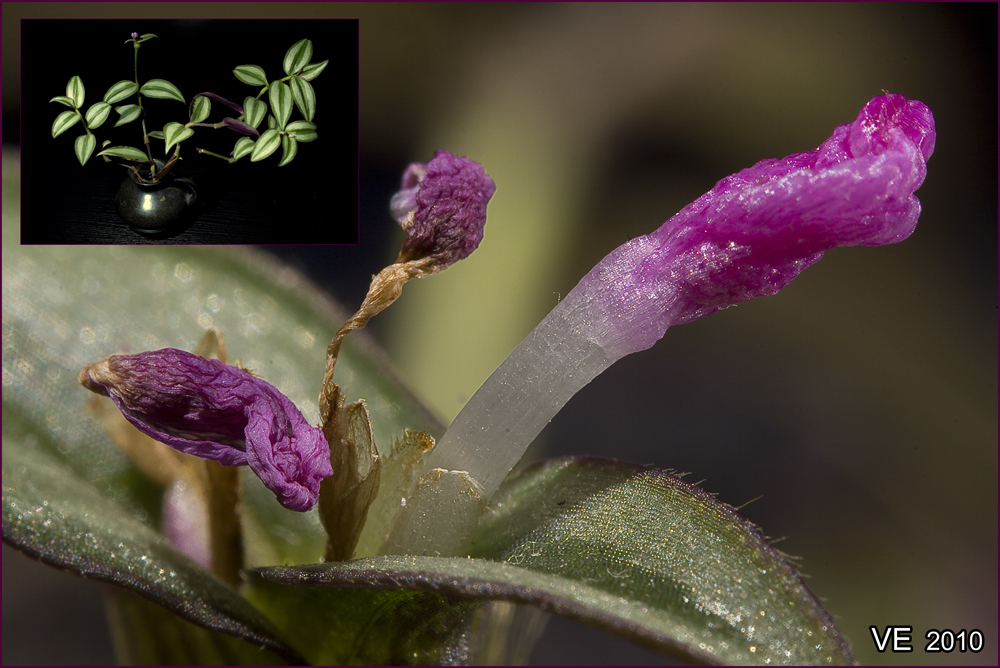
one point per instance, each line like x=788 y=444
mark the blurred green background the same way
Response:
x=860 y=403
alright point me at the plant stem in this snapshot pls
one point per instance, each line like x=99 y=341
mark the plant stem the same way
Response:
x=207 y=152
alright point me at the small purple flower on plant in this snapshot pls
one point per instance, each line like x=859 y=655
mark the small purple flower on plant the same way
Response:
x=135 y=35
x=442 y=207
x=214 y=411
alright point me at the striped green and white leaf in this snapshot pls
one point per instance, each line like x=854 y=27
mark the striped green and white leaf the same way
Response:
x=126 y=152
x=161 y=89
x=64 y=121
x=244 y=146
x=290 y=149
x=298 y=56
x=156 y=134
x=97 y=114
x=201 y=106
x=120 y=91
x=127 y=113
x=251 y=74
x=75 y=91
x=62 y=99
x=175 y=133
x=254 y=111
x=303 y=131
x=266 y=145
x=281 y=102
x=84 y=147
x=305 y=97
x=313 y=70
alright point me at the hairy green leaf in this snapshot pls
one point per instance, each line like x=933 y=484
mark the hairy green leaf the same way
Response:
x=161 y=89
x=298 y=56
x=629 y=549
x=120 y=91
x=251 y=74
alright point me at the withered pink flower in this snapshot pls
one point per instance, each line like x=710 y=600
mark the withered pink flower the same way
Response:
x=214 y=411
x=748 y=237
x=442 y=207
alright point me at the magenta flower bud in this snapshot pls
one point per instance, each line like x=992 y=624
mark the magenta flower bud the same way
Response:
x=748 y=237
x=240 y=126
x=219 y=98
x=442 y=207
x=208 y=409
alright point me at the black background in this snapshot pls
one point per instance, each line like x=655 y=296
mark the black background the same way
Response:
x=313 y=199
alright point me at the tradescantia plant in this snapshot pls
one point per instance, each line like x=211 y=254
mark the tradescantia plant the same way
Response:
x=124 y=102
x=421 y=549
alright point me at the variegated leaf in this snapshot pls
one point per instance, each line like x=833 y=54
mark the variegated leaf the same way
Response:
x=161 y=89
x=251 y=74
x=266 y=145
x=290 y=149
x=84 y=147
x=244 y=145
x=120 y=91
x=62 y=99
x=313 y=70
x=174 y=133
x=75 y=91
x=97 y=114
x=64 y=122
x=303 y=131
x=254 y=111
x=305 y=97
x=281 y=102
x=127 y=113
x=201 y=106
x=298 y=56
x=126 y=152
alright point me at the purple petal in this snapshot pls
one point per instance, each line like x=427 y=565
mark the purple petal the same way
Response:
x=219 y=98
x=214 y=411
x=758 y=229
x=442 y=207
x=240 y=126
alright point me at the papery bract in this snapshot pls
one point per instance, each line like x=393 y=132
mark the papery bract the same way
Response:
x=214 y=411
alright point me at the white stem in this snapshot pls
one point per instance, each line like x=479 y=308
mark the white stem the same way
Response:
x=515 y=403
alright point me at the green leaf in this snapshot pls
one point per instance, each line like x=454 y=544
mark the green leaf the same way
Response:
x=244 y=146
x=313 y=70
x=266 y=145
x=303 y=131
x=175 y=133
x=251 y=74
x=290 y=149
x=201 y=107
x=64 y=121
x=161 y=89
x=254 y=111
x=120 y=91
x=298 y=56
x=59 y=517
x=281 y=102
x=127 y=113
x=62 y=99
x=145 y=36
x=84 y=147
x=126 y=152
x=305 y=97
x=65 y=306
x=75 y=91
x=97 y=114
x=628 y=549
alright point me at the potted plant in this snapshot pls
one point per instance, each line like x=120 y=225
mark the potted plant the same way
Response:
x=152 y=198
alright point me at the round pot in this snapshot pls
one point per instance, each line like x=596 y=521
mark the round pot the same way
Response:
x=154 y=207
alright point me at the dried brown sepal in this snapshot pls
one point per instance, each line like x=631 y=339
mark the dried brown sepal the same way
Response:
x=344 y=497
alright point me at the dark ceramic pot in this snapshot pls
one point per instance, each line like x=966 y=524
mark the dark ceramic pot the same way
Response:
x=155 y=207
